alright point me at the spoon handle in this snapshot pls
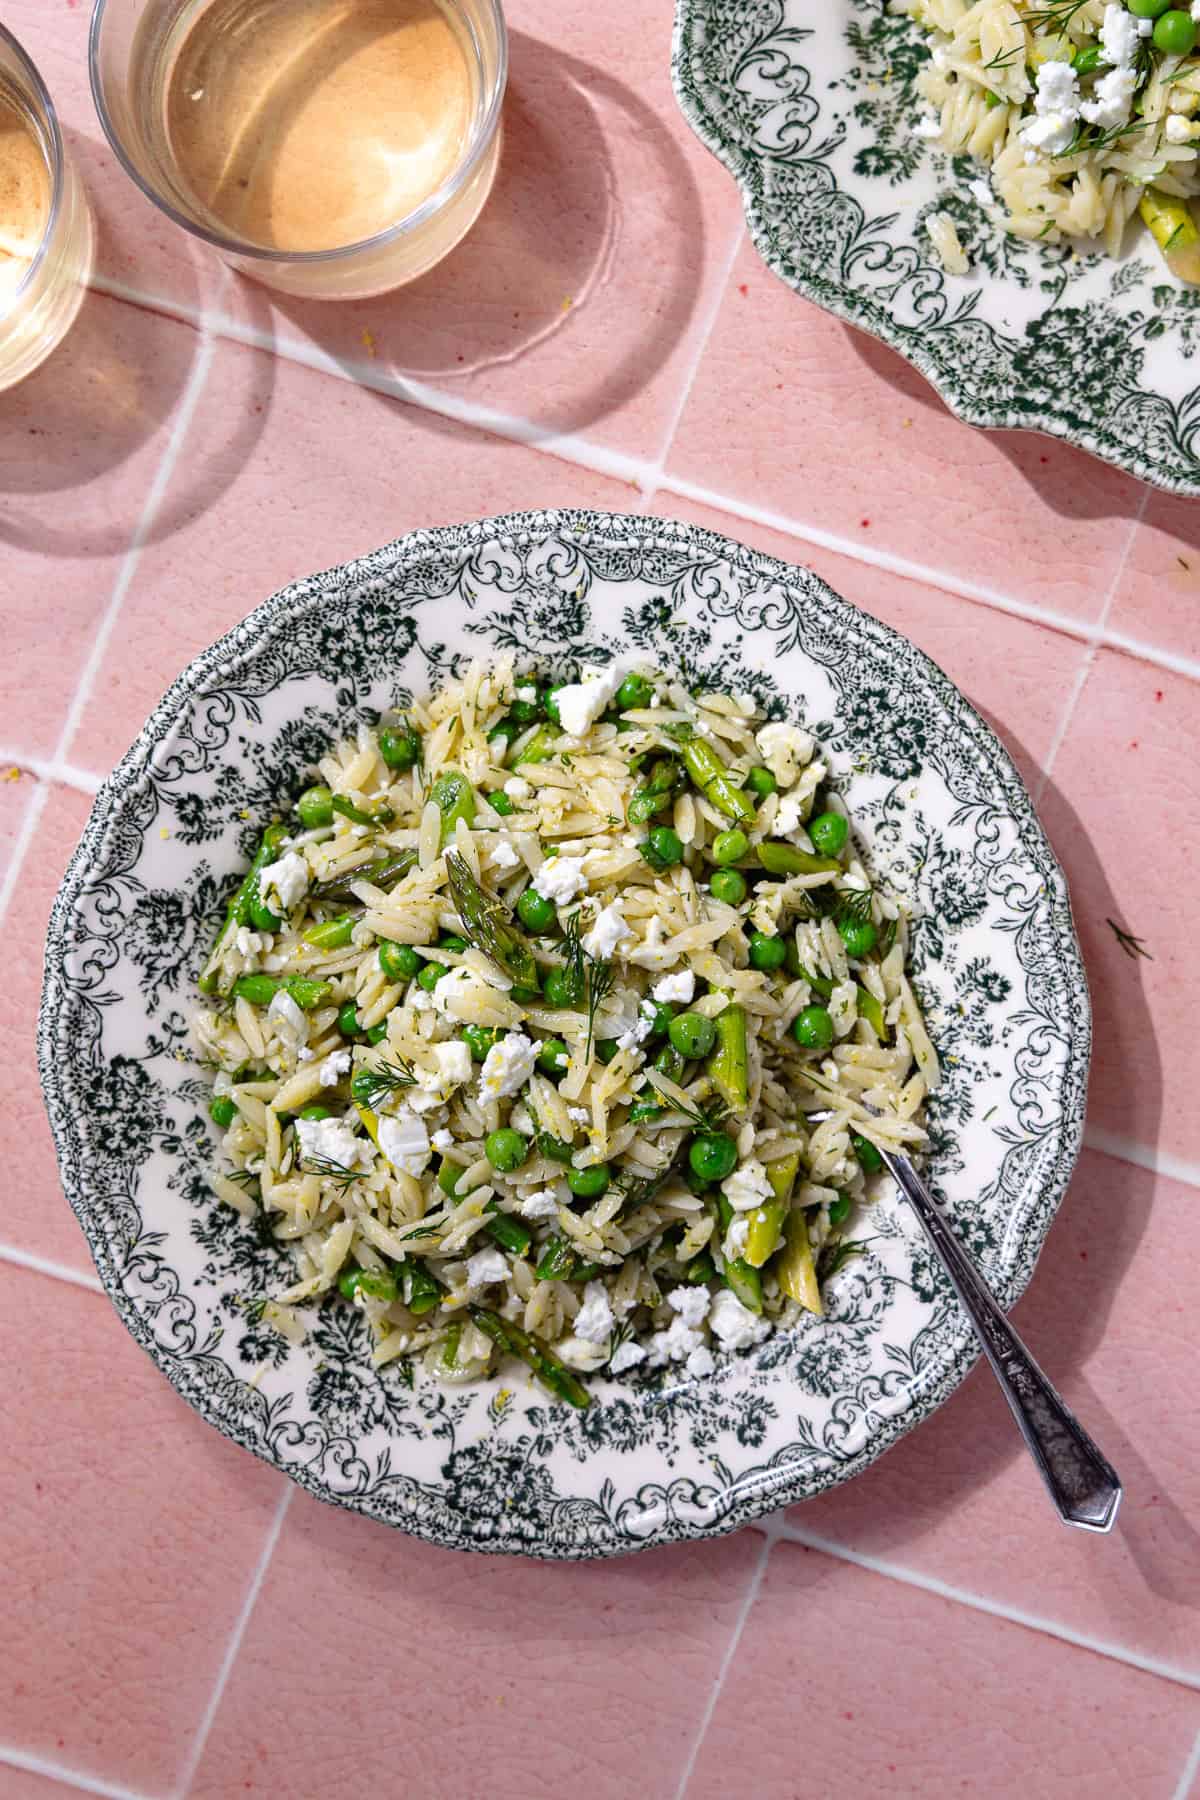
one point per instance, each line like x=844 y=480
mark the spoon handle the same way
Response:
x=1083 y=1484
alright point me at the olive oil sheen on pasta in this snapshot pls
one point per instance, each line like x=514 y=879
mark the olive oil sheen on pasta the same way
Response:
x=308 y=125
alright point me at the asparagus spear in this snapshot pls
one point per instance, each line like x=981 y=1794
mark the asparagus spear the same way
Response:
x=740 y=1275
x=794 y=1264
x=557 y=1261
x=870 y=1009
x=383 y=873
x=727 y=1065
x=240 y=907
x=766 y=1222
x=489 y=925
x=260 y=990
x=708 y=773
x=546 y=1366
x=786 y=859
x=540 y=747
x=503 y=1229
x=379 y=815
x=455 y=798
x=1174 y=231
x=334 y=934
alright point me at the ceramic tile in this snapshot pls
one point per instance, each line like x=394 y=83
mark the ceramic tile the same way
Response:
x=577 y=298
x=1004 y=666
x=837 y=432
x=1121 y=813
x=608 y=1665
x=130 y=1532
x=80 y=443
x=1157 y=600
x=905 y=1694
x=135 y=243
x=20 y=1784
x=35 y=1216
x=15 y=795
x=283 y=472
x=1109 y=1315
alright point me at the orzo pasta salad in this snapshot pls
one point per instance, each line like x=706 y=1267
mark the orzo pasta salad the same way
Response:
x=518 y=1020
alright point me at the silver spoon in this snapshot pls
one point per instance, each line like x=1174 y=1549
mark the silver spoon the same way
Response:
x=1083 y=1484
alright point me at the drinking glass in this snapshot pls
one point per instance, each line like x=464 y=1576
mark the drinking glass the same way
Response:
x=37 y=313
x=131 y=49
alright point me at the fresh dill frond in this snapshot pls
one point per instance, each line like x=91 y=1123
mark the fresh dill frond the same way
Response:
x=836 y=1255
x=600 y=979
x=853 y=904
x=703 y=1117
x=329 y=1170
x=1132 y=946
x=373 y=1086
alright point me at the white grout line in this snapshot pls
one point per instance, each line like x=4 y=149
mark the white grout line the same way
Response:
x=63 y=773
x=704 y=333
x=26 y=832
x=158 y=303
x=192 y=1761
x=1016 y=1615
x=710 y=1705
x=1190 y=1770
x=42 y=1265
x=1143 y=1156
x=52 y=1771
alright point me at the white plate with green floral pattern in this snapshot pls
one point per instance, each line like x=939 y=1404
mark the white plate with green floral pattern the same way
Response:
x=943 y=815
x=811 y=109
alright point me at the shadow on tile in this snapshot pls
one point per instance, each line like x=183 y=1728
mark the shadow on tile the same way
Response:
x=545 y=241
x=1045 y=463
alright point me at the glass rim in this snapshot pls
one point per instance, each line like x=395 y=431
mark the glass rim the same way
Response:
x=57 y=159
x=237 y=247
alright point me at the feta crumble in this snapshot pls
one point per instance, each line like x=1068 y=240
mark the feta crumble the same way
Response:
x=286 y=880
x=542 y=1205
x=733 y=1324
x=580 y=703
x=691 y=1303
x=561 y=878
x=288 y=1020
x=609 y=931
x=334 y=1067
x=404 y=1140
x=594 y=1320
x=503 y=855
x=328 y=1140
x=748 y=1186
x=517 y=788
x=484 y=1268
x=626 y=1356
x=507 y=1067
x=785 y=749
x=679 y=987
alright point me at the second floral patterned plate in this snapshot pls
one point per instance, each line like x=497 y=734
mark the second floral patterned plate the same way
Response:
x=945 y=820
x=811 y=108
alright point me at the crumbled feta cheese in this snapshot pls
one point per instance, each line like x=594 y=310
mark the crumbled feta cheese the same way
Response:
x=1112 y=98
x=691 y=1303
x=334 y=1067
x=700 y=1361
x=517 y=788
x=579 y=1115
x=286 y=1018
x=1195 y=14
x=484 y=1268
x=328 y=1140
x=626 y=1356
x=507 y=1067
x=580 y=703
x=789 y=815
x=404 y=1140
x=594 y=1320
x=928 y=129
x=637 y=1033
x=454 y=1063
x=609 y=931
x=982 y=194
x=748 y=1186
x=304 y=1054
x=285 y=880
x=580 y=1353
x=1179 y=129
x=1118 y=36
x=734 y=1324
x=503 y=855
x=735 y=1239
x=1056 y=106
x=674 y=1344
x=249 y=943
x=1146 y=27
x=679 y=987
x=442 y=1139
x=528 y=694
x=454 y=996
x=542 y=1205
x=785 y=749
x=561 y=878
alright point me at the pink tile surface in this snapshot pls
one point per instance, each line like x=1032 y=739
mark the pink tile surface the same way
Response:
x=131 y=1534
x=614 y=1666
x=1009 y=511
x=1110 y=1314
x=983 y=1707
x=120 y=1595
x=1132 y=755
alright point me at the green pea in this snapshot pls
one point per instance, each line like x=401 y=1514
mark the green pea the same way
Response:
x=1175 y=34
x=813 y=1028
x=364 y=1087
x=430 y=975
x=635 y=692
x=399 y=962
x=760 y=781
x=500 y=738
x=767 y=953
x=535 y=912
x=730 y=846
x=1148 y=9
x=641 y=1110
x=347 y=1019
x=728 y=886
x=222 y=1111
x=524 y=996
x=527 y=712
x=380 y=1284
x=664 y=1012
x=315 y=1111
x=858 y=935
x=315 y=807
x=712 y=1156
x=500 y=803
x=375 y=1034
x=829 y=832
x=1086 y=62
x=505 y=1149
x=557 y=1149
x=449 y=1176
x=590 y=1183
x=451 y=941
x=331 y=934
x=663 y=848
x=644 y=804
x=606 y=1049
x=839 y=1209
x=701 y=1268
x=553 y=1057
x=562 y=988
x=479 y=1039
x=869 y=1159
x=551 y=701
x=692 y=1034
x=422 y=1291
x=399 y=746
x=668 y=1062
